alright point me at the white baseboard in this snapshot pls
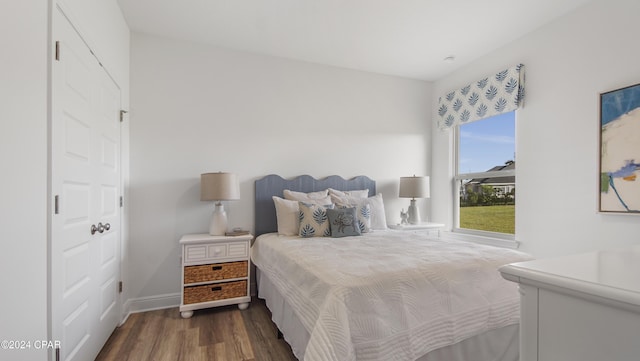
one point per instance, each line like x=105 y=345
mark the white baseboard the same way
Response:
x=143 y=304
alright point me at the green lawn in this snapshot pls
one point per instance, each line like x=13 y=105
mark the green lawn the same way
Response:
x=489 y=218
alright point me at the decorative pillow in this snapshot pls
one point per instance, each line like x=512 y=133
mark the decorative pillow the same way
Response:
x=313 y=220
x=363 y=213
x=287 y=215
x=343 y=222
x=378 y=216
x=360 y=193
x=320 y=197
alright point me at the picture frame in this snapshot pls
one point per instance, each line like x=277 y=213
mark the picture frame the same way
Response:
x=619 y=141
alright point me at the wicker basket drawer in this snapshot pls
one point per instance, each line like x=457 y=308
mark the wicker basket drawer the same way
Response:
x=215 y=272
x=214 y=292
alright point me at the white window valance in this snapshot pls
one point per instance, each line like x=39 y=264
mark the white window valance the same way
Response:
x=497 y=94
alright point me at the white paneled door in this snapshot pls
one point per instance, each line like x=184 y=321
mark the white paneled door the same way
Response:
x=85 y=188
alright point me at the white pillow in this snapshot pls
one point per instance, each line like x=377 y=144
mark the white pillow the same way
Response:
x=378 y=217
x=287 y=215
x=322 y=198
x=360 y=193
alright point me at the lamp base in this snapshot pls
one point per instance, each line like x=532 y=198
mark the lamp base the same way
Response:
x=218 y=226
x=414 y=213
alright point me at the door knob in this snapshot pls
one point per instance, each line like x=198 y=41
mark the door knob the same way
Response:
x=100 y=228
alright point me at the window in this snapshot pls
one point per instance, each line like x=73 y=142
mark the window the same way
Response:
x=485 y=180
x=483 y=116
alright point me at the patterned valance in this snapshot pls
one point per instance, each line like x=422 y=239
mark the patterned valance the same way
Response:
x=501 y=93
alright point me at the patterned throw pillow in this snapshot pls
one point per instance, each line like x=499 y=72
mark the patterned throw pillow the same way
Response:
x=378 y=218
x=343 y=222
x=314 y=221
x=363 y=214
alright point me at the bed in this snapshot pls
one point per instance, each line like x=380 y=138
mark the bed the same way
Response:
x=385 y=294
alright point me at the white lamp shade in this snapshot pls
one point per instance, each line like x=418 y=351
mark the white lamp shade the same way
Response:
x=414 y=187
x=219 y=187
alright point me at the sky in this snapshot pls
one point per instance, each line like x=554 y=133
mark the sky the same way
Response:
x=487 y=143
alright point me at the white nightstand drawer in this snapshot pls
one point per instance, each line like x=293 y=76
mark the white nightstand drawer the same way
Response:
x=195 y=253
x=238 y=249
x=212 y=252
x=218 y=250
x=206 y=252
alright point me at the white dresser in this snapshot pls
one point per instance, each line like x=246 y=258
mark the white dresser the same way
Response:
x=215 y=272
x=582 y=307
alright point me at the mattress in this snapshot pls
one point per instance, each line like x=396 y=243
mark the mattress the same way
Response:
x=388 y=295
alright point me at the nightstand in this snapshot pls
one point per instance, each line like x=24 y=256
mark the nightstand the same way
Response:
x=215 y=272
x=425 y=226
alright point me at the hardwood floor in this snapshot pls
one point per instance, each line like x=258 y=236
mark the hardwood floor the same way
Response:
x=216 y=334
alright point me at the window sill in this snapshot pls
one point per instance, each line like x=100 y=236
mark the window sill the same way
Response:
x=491 y=241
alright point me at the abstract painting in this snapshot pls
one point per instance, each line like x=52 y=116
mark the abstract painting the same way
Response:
x=620 y=150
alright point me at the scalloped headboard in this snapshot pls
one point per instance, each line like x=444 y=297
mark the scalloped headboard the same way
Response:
x=273 y=185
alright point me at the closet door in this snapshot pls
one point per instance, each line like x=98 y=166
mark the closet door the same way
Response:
x=85 y=184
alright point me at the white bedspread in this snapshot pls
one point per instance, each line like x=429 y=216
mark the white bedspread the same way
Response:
x=389 y=295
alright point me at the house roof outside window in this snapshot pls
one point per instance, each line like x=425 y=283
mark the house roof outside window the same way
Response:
x=509 y=165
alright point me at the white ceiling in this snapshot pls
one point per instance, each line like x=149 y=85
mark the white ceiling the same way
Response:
x=407 y=38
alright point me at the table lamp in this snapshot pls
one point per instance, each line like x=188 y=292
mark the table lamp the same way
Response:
x=219 y=187
x=414 y=187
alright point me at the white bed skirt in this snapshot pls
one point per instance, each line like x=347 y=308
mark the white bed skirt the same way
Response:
x=495 y=345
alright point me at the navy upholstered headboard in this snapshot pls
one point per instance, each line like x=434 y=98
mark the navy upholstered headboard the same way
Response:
x=273 y=185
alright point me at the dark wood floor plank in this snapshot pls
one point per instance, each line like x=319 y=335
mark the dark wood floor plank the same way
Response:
x=239 y=337
x=189 y=349
x=216 y=334
x=211 y=328
x=145 y=336
x=169 y=340
x=266 y=346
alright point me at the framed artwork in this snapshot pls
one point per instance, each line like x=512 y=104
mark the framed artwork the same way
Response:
x=620 y=150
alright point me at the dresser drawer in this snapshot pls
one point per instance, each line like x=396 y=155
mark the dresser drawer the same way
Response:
x=212 y=252
x=214 y=292
x=238 y=249
x=198 y=252
x=215 y=272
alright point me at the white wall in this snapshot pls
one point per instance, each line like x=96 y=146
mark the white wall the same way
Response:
x=199 y=109
x=23 y=155
x=568 y=63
